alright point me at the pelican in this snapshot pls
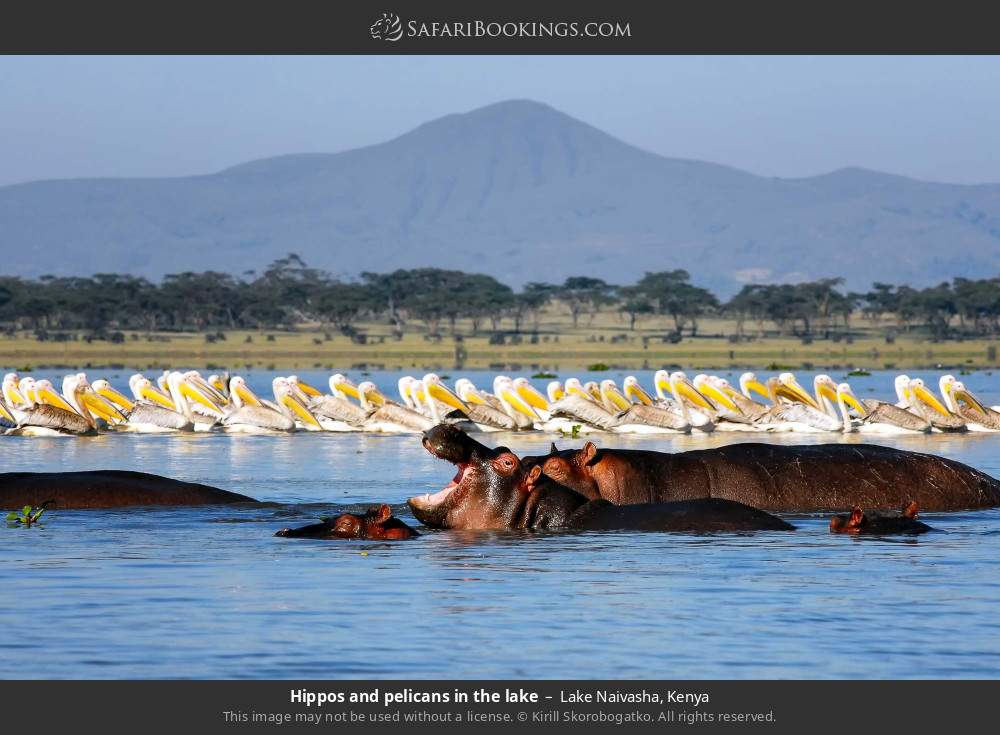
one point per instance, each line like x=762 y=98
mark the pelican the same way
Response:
x=151 y=416
x=877 y=417
x=577 y=408
x=388 y=416
x=700 y=411
x=335 y=412
x=44 y=419
x=514 y=405
x=728 y=415
x=962 y=402
x=251 y=416
x=439 y=398
x=925 y=404
x=482 y=413
x=825 y=390
x=792 y=412
x=554 y=390
x=645 y=416
x=532 y=397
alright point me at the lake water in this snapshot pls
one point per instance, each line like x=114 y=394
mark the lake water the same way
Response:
x=211 y=593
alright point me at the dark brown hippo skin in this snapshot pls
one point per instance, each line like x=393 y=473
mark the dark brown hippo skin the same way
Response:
x=106 y=489
x=879 y=523
x=774 y=477
x=493 y=489
x=377 y=524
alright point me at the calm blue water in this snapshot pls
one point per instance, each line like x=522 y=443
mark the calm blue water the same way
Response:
x=210 y=593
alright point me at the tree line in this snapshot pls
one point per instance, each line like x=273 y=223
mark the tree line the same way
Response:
x=289 y=293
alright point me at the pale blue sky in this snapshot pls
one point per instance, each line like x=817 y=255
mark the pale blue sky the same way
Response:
x=935 y=118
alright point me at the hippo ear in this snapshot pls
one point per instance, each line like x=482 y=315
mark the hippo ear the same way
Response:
x=857 y=517
x=553 y=449
x=910 y=510
x=379 y=514
x=589 y=452
x=531 y=481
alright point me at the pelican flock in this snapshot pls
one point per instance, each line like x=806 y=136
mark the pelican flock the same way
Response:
x=185 y=401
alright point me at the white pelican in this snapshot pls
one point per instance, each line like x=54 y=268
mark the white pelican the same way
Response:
x=962 y=402
x=251 y=416
x=388 y=416
x=925 y=404
x=644 y=416
x=792 y=410
x=46 y=419
x=577 y=408
x=335 y=412
x=481 y=412
x=877 y=417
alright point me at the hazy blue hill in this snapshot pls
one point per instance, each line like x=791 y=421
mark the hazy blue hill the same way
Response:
x=516 y=189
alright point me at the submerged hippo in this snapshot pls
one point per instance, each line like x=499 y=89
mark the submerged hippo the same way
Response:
x=880 y=523
x=377 y=523
x=775 y=477
x=106 y=489
x=493 y=489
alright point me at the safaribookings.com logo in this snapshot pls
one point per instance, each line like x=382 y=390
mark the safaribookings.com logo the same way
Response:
x=390 y=28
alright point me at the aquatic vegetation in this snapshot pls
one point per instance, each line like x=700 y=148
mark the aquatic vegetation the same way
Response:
x=543 y=376
x=598 y=367
x=858 y=373
x=27 y=516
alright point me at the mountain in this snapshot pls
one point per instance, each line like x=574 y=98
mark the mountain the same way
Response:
x=518 y=190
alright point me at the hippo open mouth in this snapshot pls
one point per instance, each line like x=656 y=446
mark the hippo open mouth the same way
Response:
x=455 y=446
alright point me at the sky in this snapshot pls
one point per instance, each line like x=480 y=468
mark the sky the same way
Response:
x=932 y=118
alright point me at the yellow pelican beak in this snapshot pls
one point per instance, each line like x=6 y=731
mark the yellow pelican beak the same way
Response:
x=929 y=399
x=101 y=407
x=795 y=392
x=115 y=397
x=961 y=394
x=247 y=396
x=580 y=392
x=6 y=414
x=636 y=392
x=686 y=389
x=300 y=411
x=614 y=396
x=50 y=397
x=309 y=390
x=717 y=396
x=375 y=396
x=444 y=394
x=851 y=400
x=473 y=397
x=155 y=396
x=518 y=404
x=825 y=390
x=192 y=392
x=755 y=386
x=532 y=397
x=349 y=389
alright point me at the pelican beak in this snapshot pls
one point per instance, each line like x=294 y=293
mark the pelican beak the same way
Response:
x=636 y=392
x=102 y=407
x=115 y=397
x=247 y=396
x=349 y=389
x=964 y=395
x=532 y=397
x=518 y=404
x=154 y=395
x=300 y=411
x=686 y=389
x=219 y=385
x=209 y=390
x=309 y=390
x=46 y=395
x=375 y=396
x=446 y=396
x=825 y=390
x=851 y=400
x=4 y=413
x=615 y=397
x=473 y=397
x=17 y=396
x=800 y=393
x=929 y=399
x=718 y=396
x=559 y=394
x=194 y=393
x=759 y=388
x=580 y=392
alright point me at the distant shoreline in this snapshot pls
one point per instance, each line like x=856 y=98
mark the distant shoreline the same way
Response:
x=581 y=350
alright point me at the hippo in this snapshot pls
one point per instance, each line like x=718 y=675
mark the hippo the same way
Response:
x=377 y=524
x=106 y=489
x=880 y=523
x=774 y=477
x=493 y=489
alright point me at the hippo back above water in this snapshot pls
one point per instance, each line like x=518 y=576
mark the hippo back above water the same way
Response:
x=775 y=477
x=106 y=489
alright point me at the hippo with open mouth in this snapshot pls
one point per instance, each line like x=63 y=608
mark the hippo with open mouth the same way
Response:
x=775 y=477
x=377 y=524
x=493 y=489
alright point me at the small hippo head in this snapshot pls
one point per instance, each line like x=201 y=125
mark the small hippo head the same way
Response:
x=377 y=523
x=570 y=467
x=488 y=491
x=860 y=522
